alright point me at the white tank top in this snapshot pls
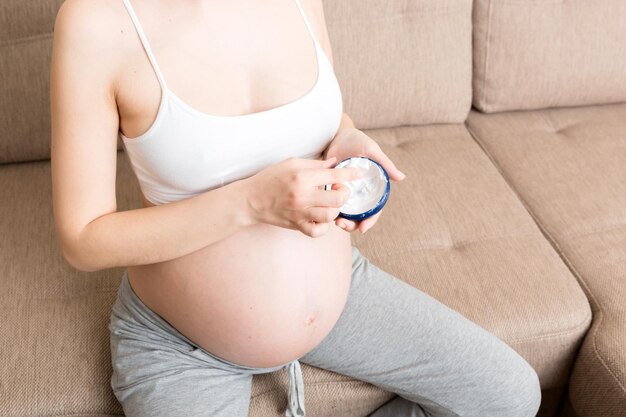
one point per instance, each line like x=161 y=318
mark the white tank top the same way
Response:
x=186 y=152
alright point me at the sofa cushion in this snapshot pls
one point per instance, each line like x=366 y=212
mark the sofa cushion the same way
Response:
x=27 y=19
x=54 y=338
x=569 y=168
x=453 y=228
x=397 y=62
x=402 y=62
x=25 y=47
x=531 y=54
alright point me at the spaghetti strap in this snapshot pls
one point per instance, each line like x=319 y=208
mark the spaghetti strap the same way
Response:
x=306 y=21
x=146 y=45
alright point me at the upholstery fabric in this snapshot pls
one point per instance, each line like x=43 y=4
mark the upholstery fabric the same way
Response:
x=25 y=49
x=567 y=166
x=27 y=19
x=533 y=54
x=402 y=62
x=24 y=98
x=453 y=228
x=397 y=62
x=54 y=339
x=516 y=228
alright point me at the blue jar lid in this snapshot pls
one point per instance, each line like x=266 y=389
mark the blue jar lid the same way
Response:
x=378 y=180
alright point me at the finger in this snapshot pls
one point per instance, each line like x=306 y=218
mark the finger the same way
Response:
x=379 y=156
x=320 y=229
x=308 y=228
x=323 y=176
x=317 y=163
x=321 y=214
x=335 y=197
x=345 y=224
x=368 y=223
x=313 y=229
x=342 y=188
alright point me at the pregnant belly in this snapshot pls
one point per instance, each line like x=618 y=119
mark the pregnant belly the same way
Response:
x=261 y=297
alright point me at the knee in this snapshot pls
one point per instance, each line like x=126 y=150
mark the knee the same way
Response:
x=519 y=394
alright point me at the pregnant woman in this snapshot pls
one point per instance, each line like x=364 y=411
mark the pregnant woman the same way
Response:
x=238 y=264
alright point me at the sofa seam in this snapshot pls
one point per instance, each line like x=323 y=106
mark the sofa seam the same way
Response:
x=559 y=251
x=72 y=414
x=583 y=324
x=31 y=38
x=467 y=242
x=441 y=11
x=354 y=381
x=541 y=2
x=485 y=65
x=603 y=229
x=595 y=349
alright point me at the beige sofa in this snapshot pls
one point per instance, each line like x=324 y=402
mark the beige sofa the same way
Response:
x=509 y=117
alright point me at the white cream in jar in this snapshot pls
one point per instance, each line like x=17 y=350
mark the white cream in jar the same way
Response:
x=367 y=194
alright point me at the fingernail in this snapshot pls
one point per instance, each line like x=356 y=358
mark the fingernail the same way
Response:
x=342 y=225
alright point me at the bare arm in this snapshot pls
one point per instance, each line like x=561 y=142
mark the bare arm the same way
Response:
x=91 y=233
x=85 y=123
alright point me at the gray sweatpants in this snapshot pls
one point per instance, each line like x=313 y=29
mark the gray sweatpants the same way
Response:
x=389 y=334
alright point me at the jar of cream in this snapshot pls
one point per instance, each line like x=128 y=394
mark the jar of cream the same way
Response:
x=368 y=194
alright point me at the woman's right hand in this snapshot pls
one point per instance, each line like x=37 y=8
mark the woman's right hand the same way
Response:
x=291 y=194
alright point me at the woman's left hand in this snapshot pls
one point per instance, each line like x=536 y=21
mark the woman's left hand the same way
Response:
x=351 y=142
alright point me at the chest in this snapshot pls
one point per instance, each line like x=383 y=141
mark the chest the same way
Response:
x=178 y=148
x=220 y=63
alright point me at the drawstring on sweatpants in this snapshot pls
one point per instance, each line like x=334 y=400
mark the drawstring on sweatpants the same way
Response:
x=295 y=406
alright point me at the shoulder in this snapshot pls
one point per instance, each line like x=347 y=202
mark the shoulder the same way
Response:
x=95 y=26
x=86 y=21
x=95 y=33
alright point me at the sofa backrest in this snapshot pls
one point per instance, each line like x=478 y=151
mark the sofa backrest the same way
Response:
x=398 y=62
x=402 y=62
x=532 y=54
x=25 y=45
